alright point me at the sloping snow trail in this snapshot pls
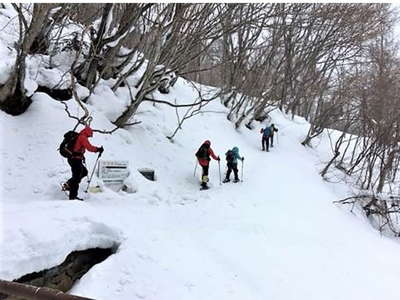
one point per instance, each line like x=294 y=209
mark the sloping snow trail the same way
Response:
x=277 y=235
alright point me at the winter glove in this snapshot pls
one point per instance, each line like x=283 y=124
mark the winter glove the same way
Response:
x=218 y=158
x=242 y=158
x=100 y=150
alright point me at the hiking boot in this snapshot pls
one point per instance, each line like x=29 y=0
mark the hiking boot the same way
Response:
x=236 y=180
x=76 y=198
x=65 y=186
x=226 y=180
x=204 y=186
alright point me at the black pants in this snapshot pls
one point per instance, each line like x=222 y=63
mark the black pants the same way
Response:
x=78 y=172
x=204 y=176
x=265 y=143
x=271 y=137
x=232 y=166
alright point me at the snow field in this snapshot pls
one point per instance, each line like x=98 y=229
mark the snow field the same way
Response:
x=277 y=235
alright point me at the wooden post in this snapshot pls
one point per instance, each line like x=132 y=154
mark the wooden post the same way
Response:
x=34 y=293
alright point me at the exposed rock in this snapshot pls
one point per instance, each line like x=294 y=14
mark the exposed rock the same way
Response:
x=148 y=173
x=58 y=94
x=62 y=277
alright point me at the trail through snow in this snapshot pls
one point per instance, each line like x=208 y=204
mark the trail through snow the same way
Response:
x=277 y=235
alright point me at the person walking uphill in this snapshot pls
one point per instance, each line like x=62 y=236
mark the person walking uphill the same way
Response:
x=271 y=136
x=203 y=157
x=232 y=157
x=76 y=160
x=266 y=132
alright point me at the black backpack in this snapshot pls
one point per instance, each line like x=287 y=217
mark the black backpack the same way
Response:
x=202 y=153
x=229 y=156
x=67 y=145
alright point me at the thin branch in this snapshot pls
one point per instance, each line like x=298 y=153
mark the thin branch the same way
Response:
x=176 y=105
x=116 y=128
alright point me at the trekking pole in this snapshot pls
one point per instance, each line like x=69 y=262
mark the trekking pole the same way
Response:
x=242 y=170
x=219 y=168
x=91 y=176
x=195 y=168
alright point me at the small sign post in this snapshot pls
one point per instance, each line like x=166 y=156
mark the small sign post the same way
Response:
x=113 y=173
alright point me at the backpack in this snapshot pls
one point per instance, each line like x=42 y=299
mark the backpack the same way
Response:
x=267 y=132
x=229 y=156
x=202 y=153
x=67 y=145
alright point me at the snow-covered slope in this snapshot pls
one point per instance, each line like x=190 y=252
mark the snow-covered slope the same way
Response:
x=276 y=235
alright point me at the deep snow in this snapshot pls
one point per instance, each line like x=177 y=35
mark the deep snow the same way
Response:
x=276 y=235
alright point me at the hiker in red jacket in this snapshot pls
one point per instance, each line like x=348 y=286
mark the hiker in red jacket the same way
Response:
x=77 y=160
x=203 y=156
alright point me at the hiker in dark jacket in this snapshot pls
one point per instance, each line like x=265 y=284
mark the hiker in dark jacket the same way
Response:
x=203 y=156
x=232 y=157
x=266 y=132
x=273 y=129
x=76 y=162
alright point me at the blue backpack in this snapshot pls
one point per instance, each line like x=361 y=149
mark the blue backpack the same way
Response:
x=267 y=132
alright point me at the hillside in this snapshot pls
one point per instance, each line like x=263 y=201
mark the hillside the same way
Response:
x=275 y=235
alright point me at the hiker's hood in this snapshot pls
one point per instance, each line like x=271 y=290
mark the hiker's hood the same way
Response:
x=87 y=131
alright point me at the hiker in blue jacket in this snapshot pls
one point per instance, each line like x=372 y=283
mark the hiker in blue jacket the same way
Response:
x=232 y=157
x=266 y=133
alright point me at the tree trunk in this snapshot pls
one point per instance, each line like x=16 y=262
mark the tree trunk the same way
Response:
x=12 y=94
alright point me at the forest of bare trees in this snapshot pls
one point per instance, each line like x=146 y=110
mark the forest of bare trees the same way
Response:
x=336 y=65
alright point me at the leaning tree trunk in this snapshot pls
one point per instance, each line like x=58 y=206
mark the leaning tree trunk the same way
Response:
x=385 y=170
x=148 y=82
x=86 y=73
x=12 y=94
x=41 y=43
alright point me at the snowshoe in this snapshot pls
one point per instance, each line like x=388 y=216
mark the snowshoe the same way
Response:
x=226 y=180
x=65 y=187
x=236 y=180
x=77 y=198
x=204 y=187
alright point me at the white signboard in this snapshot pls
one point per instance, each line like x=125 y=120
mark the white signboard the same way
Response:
x=113 y=172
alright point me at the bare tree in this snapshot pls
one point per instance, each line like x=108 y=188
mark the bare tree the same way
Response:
x=13 y=99
x=179 y=34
